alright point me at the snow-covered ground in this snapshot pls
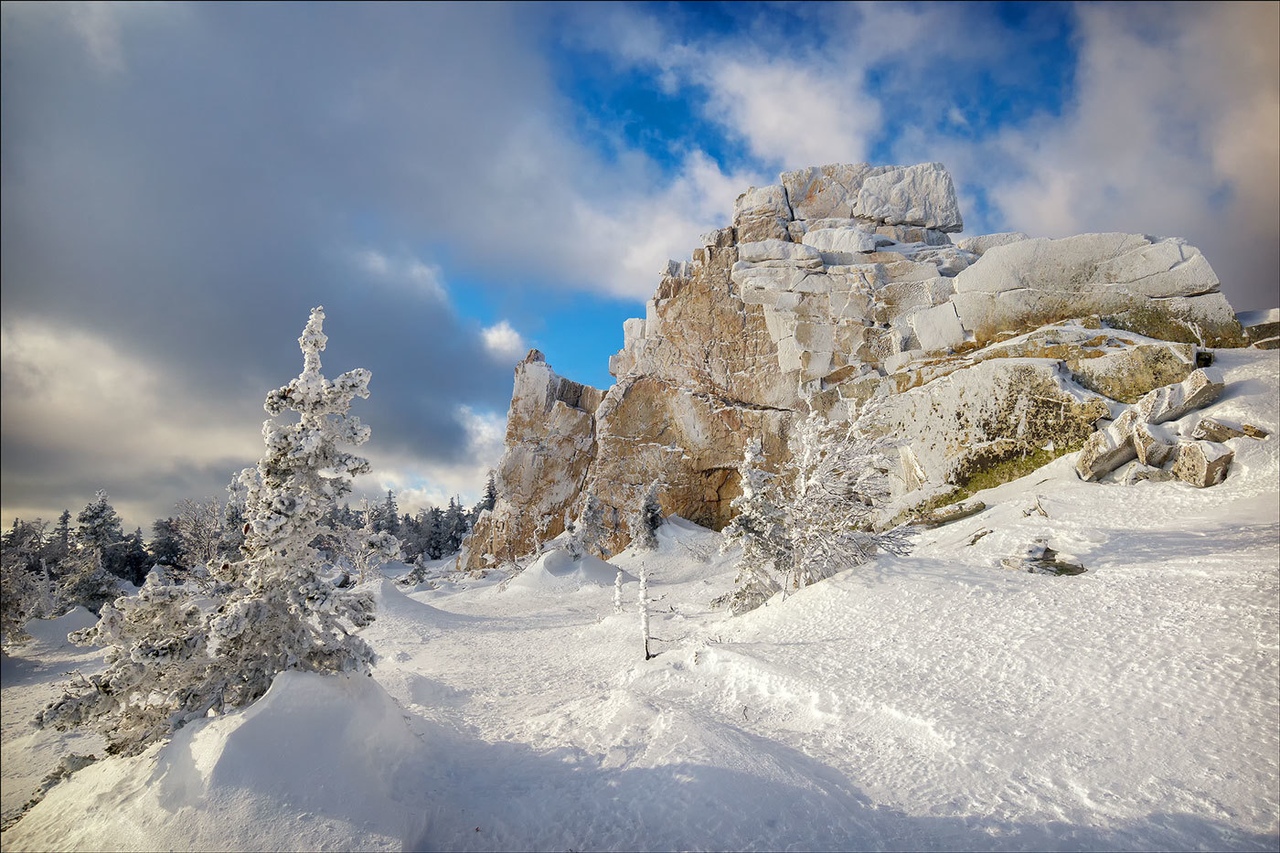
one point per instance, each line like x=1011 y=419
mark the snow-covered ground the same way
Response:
x=936 y=701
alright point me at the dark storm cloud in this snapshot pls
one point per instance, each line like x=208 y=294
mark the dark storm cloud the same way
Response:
x=191 y=203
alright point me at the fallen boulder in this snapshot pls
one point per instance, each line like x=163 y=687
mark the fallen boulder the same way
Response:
x=1202 y=463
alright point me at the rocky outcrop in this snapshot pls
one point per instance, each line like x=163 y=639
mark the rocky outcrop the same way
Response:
x=920 y=195
x=550 y=445
x=972 y=419
x=839 y=290
x=1162 y=288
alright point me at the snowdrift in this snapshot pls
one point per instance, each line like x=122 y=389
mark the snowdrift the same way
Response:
x=52 y=633
x=556 y=572
x=320 y=762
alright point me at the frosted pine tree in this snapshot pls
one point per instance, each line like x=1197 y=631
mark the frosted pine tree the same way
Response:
x=158 y=673
x=586 y=534
x=839 y=482
x=169 y=661
x=646 y=518
x=285 y=612
x=365 y=549
x=814 y=520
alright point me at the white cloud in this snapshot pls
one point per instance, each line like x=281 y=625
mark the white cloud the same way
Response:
x=404 y=271
x=98 y=25
x=504 y=342
x=419 y=485
x=792 y=114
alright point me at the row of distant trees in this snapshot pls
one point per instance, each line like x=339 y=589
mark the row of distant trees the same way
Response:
x=48 y=569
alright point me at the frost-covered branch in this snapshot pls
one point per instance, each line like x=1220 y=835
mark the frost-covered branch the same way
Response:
x=813 y=519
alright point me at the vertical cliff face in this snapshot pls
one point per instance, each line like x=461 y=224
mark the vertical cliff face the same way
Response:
x=550 y=444
x=697 y=379
x=839 y=289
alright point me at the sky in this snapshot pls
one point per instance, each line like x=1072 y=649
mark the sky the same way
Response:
x=180 y=183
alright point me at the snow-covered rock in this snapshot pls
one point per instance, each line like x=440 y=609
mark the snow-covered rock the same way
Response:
x=1134 y=434
x=921 y=195
x=762 y=214
x=1202 y=463
x=1171 y=402
x=1161 y=287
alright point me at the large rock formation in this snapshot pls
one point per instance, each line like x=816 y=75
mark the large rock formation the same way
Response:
x=839 y=289
x=550 y=444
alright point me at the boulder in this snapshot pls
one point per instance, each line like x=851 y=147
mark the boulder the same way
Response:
x=1041 y=559
x=1129 y=368
x=1107 y=449
x=1162 y=288
x=952 y=512
x=762 y=214
x=1208 y=429
x=1153 y=445
x=1202 y=463
x=921 y=195
x=1171 y=402
x=1134 y=434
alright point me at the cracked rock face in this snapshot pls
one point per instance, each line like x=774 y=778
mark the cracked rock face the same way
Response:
x=839 y=288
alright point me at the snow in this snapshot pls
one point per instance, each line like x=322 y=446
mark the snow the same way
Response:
x=556 y=572
x=929 y=702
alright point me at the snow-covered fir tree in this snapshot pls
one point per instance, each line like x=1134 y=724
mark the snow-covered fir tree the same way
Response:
x=586 y=532
x=285 y=612
x=20 y=566
x=83 y=581
x=158 y=673
x=645 y=519
x=169 y=660
x=165 y=547
x=365 y=549
x=761 y=528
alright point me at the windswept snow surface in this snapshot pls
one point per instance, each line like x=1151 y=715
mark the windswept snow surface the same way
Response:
x=933 y=702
